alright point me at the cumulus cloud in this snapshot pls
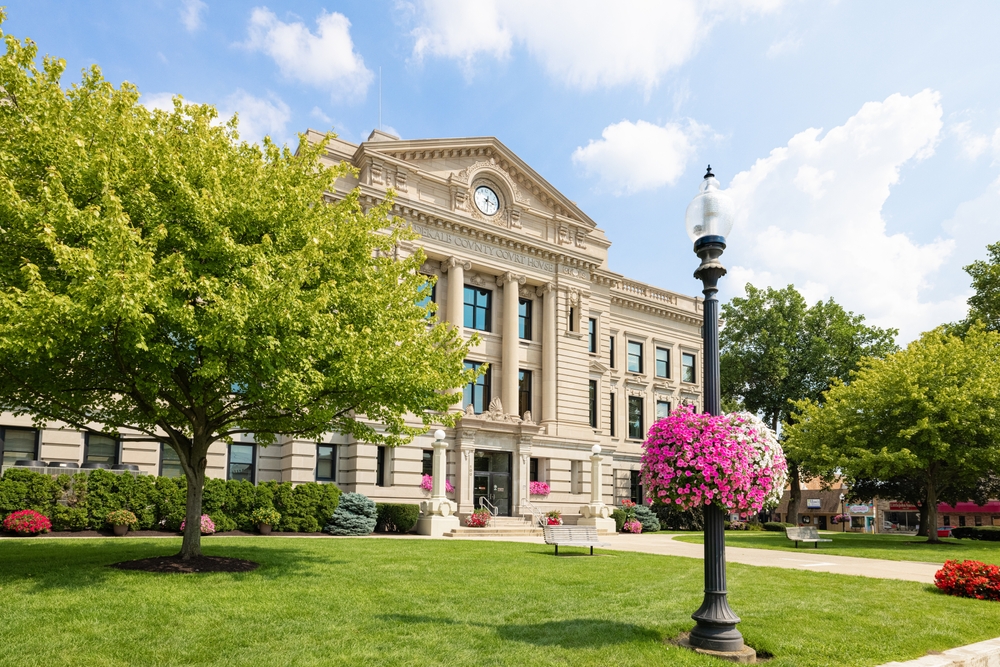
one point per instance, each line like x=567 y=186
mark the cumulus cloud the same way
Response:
x=811 y=214
x=631 y=157
x=325 y=60
x=191 y=11
x=258 y=116
x=583 y=43
x=789 y=44
x=971 y=144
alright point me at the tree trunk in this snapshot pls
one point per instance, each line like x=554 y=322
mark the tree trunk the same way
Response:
x=932 y=513
x=923 y=532
x=794 y=493
x=195 y=474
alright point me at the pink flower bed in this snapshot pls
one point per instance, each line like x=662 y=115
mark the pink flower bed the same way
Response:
x=427 y=484
x=632 y=526
x=207 y=525
x=27 y=522
x=538 y=488
x=732 y=460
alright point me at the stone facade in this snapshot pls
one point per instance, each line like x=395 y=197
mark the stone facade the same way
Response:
x=531 y=246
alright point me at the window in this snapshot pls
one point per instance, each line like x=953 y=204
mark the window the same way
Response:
x=592 y=335
x=662 y=409
x=477 y=308
x=380 y=464
x=687 y=367
x=241 y=462
x=427 y=463
x=611 y=398
x=100 y=449
x=572 y=319
x=477 y=392
x=662 y=362
x=17 y=444
x=533 y=470
x=961 y=521
x=524 y=319
x=635 y=486
x=523 y=392
x=170 y=463
x=634 y=357
x=593 y=403
x=947 y=520
x=611 y=352
x=635 y=417
x=326 y=463
x=429 y=290
x=979 y=519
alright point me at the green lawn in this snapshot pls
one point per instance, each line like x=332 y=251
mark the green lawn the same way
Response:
x=420 y=602
x=889 y=547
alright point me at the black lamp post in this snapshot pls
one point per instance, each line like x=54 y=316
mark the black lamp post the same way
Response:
x=709 y=219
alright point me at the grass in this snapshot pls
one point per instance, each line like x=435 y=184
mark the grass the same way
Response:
x=344 y=601
x=889 y=547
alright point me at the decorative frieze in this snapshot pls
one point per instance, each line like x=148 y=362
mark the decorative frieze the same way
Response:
x=483 y=248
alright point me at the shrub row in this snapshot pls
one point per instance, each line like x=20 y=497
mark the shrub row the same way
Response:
x=984 y=533
x=396 y=517
x=82 y=500
x=777 y=526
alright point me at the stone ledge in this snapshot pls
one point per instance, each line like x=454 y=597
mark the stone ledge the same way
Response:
x=982 y=654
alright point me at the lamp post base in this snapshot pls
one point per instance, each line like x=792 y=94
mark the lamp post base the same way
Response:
x=744 y=656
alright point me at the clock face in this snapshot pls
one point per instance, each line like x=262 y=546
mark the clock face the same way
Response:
x=486 y=200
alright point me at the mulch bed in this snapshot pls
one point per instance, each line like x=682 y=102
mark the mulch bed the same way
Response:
x=174 y=565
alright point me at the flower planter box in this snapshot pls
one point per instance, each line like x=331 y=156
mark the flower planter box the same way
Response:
x=264 y=529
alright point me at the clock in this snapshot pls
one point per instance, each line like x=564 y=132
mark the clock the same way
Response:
x=486 y=200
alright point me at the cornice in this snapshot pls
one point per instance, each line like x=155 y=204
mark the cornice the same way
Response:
x=653 y=309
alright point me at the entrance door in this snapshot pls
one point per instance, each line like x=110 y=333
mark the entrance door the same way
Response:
x=492 y=479
x=821 y=522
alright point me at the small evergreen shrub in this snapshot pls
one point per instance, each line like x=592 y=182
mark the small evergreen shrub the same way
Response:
x=984 y=533
x=355 y=515
x=619 y=516
x=70 y=518
x=645 y=516
x=396 y=517
x=777 y=526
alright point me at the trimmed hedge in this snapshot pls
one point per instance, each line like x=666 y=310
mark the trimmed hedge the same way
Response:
x=984 y=533
x=81 y=501
x=777 y=526
x=619 y=516
x=396 y=517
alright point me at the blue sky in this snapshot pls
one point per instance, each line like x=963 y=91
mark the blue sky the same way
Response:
x=861 y=141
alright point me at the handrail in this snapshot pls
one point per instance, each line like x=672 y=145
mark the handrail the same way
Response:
x=537 y=515
x=489 y=507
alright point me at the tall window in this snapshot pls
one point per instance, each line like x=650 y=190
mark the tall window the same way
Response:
x=687 y=367
x=241 y=462
x=593 y=403
x=326 y=463
x=572 y=319
x=611 y=352
x=524 y=319
x=662 y=409
x=662 y=362
x=17 y=444
x=592 y=335
x=635 y=486
x=478 y=308
x=523 y=392
x=634 y=357
x=611 y=398
x=380 y=466
x=477 y=392
x=170 y=463
x=533 y=470
x=429 y=290
x=427 y=462
x=100 y=449
x=635 y=417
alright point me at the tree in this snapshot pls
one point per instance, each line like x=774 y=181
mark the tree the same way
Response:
x=930 y=413
x=984 y=305
x=775 y=350
x=163 y=279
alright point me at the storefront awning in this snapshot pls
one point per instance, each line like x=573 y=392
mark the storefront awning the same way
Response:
x=992 y=507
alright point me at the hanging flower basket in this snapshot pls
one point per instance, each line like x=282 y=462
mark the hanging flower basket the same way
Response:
x=734 y=461
x=538 y=488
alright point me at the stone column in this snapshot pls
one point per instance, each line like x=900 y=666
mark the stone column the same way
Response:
x=437 y=515
x=509 y=384
x=596 y=513
x=456 y=269
x=464 y=473
x=548 y=293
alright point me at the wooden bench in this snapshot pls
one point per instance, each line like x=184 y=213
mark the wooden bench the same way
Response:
x=573 y=536
x=805 y=534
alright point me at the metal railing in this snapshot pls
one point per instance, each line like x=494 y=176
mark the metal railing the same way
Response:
x=537 y=515
x=489 y=507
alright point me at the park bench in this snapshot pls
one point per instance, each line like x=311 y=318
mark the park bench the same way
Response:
x=805 y=534
x=573 y=536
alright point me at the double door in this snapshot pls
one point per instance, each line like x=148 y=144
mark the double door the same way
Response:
x=492 y=479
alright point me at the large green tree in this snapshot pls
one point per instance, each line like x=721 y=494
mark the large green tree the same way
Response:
x=984 y=305
x=776 y=349
x=929 y=413
x=164 y=280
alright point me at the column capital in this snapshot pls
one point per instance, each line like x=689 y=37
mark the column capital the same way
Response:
x=456 y=261
x=545 y=289
x=510 y=277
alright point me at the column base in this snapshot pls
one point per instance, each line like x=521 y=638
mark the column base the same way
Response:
x=603 y=525
x=744 y=655
x=436 y=525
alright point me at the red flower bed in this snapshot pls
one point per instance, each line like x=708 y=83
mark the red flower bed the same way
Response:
x=969 y=579
x=27 y=522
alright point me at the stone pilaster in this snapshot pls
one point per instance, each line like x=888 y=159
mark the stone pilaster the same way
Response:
x=549 y=306
x=510 y=350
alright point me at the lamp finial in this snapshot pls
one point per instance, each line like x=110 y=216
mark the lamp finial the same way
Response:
x=708 y=172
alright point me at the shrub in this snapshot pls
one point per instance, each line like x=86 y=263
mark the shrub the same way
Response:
x=27 y=522
x=645 y=516
x=619 y=517
x=397 y=517
x=207 y=525
x=755 y=526
x=221 y=523
x=265 y=515
x=673 y=517
x=969 y=579
x=355 y=515
x=984 y=533
x=777 y=526
x=122 y=518
x=69 y=518
x=27 y=489
x=480 y=518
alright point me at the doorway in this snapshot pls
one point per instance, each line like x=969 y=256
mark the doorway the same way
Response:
x=821 y=522
x=492 y=480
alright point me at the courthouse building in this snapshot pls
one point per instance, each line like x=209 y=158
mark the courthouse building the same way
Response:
x=577 y=354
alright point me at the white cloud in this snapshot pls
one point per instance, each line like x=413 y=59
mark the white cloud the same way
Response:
x=318 y=114
x=583 y=43
x=631 y=157
x=191 y=11
x=326 y=60
x=971 y=144
x=258 y=116
x=811 y=214
x=789 y=44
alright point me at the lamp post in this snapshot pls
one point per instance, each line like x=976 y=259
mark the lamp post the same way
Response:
x=709 y=219
x=843 y=528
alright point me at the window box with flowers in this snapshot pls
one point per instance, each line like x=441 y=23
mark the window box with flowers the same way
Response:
x=538 y=488
x=554 y=518
x=427 y=484
x=121 y=521
x=27 y=523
